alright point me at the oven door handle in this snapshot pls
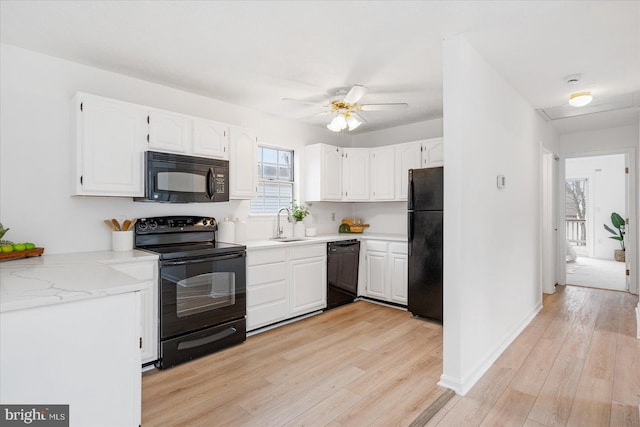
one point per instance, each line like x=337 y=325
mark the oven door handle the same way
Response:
x=196 y=260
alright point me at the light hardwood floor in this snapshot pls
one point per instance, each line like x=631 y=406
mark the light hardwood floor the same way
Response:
x=576 y=364
x=357 y=365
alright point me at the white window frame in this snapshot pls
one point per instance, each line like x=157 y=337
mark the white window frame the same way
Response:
x=262 y=181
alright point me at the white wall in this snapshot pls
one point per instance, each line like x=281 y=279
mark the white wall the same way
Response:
x=491 y=236
x=606 y=194
x=598 y=141
x=35 y=153
x=396 y=135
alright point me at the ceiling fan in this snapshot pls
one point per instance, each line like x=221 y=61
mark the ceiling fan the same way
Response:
x=346 y=110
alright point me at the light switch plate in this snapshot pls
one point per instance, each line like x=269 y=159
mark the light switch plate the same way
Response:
x=501 y=181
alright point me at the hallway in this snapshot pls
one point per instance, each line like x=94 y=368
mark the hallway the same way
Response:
x=576 y=364
x=597 y=273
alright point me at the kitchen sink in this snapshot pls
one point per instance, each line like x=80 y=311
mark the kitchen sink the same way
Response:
x=287 y=239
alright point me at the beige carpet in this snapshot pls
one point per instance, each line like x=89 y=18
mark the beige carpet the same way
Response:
x=597 y=273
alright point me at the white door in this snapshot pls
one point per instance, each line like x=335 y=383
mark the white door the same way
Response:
x=331 y=173
x=548 y=232
x=169 y=132
x=355 y=173
x=383 y=173
x=210 y=139
x=308 y=285
x=408 y=156
x=376 y=272
x=433 y=153
x=111 y=142
x=243 y=163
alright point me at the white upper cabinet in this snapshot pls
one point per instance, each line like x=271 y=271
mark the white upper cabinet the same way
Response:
x=109 y=141
x=210 y=139
x=169 y=132
x=243 y=163
x=322 y=172
x=408 y=156
x=355 y=174
x=432 y=153
x=383 y=173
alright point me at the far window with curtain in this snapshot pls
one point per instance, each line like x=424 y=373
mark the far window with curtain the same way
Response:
x=275 y=180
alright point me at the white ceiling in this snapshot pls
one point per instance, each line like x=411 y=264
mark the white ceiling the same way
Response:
x=256 y=53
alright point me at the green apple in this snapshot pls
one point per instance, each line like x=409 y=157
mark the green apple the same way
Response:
x=6 y=248
x=19 y=247
x=29 y=245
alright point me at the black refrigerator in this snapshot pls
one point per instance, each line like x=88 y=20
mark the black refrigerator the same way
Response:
x=424 y=221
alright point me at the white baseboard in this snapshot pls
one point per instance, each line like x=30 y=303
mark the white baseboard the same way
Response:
x=462 y=385
x=638 y=326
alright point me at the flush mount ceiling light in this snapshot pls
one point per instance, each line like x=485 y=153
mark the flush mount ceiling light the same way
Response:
x=346 y=110
x=580 y=99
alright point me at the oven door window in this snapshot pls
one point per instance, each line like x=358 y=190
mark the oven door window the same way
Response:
x=182 y=182
x=198 y=293
x=205 y=292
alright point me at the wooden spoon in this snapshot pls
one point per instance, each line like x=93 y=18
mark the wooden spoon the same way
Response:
x=116 y=224
x=109 y=224
x=133 y=222
x=125 y=225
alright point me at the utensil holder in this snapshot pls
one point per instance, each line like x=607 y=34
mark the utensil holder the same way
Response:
x=121 y=241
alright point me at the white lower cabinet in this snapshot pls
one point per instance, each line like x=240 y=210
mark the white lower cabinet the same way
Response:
x=147 y=271
x=267 y=296
x=308 y=279
x=386 y=270
x=285 y=282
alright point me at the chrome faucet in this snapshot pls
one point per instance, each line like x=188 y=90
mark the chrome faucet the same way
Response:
x=289 y=219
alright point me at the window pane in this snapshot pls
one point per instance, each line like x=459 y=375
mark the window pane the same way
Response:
x=285 y=158
x=285 y=173
x=269 y=171
x=269 y=155
x=259 y=154
x=259 y=171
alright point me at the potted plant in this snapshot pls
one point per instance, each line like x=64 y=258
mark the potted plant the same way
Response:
x=299 y=212
x=618 y=234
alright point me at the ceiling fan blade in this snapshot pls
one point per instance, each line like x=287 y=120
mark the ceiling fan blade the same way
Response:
x=354 y=95
x=359 y=117
x=384 y=107
x=322 y=113
x=297 y=101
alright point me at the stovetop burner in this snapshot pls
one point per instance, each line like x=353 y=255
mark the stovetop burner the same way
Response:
x=175 y=237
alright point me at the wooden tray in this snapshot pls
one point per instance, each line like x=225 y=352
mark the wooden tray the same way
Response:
x=21 y=254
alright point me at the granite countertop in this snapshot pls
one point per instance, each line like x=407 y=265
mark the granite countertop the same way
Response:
x=269 y=244
x=54 y=279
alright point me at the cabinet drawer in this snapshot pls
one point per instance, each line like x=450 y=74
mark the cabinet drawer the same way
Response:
x=266 y=314
x=266 y=256
x=138 y=270
x=259 y=274
x=309 y=251
x=398 y=247
x=376 y=245
x=269 y=292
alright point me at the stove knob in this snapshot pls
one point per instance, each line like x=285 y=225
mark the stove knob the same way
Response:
x=153 y=225
x=142 y=225
x=204 y=221
x=212 y=222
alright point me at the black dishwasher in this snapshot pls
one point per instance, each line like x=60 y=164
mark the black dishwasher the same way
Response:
x=343 y=258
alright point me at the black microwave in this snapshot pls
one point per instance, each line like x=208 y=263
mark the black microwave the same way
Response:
x=174 y=178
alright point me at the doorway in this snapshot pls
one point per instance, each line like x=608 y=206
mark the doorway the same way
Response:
x=595 y=200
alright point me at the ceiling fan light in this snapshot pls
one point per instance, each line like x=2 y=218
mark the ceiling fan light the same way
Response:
x=332 y=128
x=580 y=99
x=339 y=122
x=353 y=122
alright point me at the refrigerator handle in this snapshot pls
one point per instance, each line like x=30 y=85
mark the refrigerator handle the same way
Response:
x=410 y=191
x=410 y=232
